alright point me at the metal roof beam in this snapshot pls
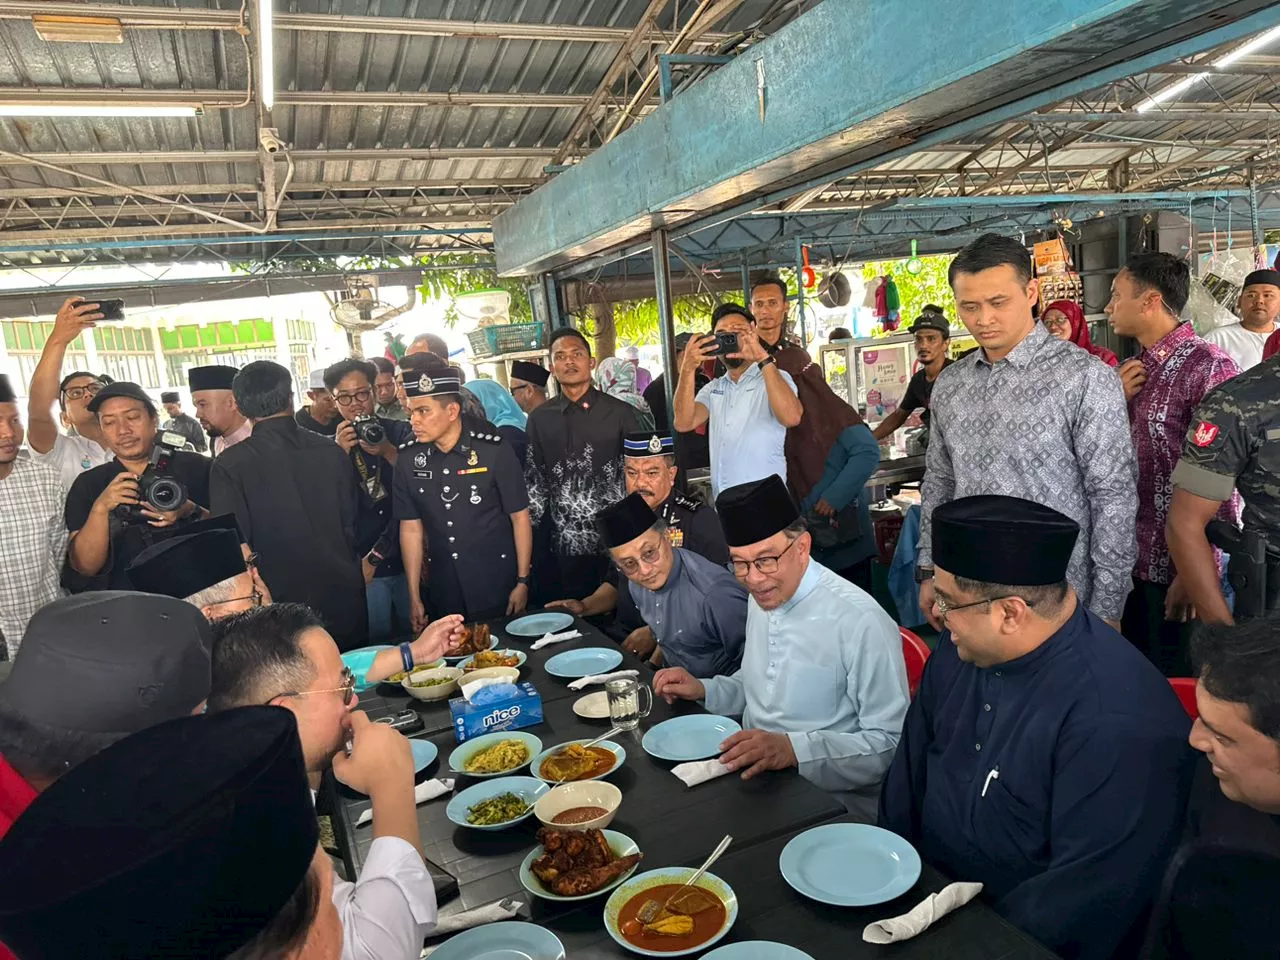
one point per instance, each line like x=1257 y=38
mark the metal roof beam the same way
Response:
x=195 y=235
x=107 y=158
x=225 y=99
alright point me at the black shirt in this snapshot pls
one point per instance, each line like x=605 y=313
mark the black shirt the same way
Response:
x=190 y=428
x=295 y=497
x=307 y=422
x=696 y=447
x=128 y=539
x=375 y=527
x=919 y=390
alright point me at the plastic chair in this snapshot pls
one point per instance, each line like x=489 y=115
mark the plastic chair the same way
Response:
x=1185 y=688
x=915 y=652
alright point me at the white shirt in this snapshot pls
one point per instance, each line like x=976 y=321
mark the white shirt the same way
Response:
x=826 y=669
x=72 y=456
x=33 y=543
x=746 y=438
x=1241 y=345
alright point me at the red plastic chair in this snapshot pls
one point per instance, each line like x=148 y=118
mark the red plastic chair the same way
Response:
x=915 y=651
x=1185 y=688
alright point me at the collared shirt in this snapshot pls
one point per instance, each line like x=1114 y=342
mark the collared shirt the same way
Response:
x=747 y=441
x=699 y=615
x=1047 y=423
x=1234 y=442
x=1181 y=368
x=241 y=432
x=1243 y=346
x=71 y=455
x=1057 y=779
x=33 y=546
x=826 y=669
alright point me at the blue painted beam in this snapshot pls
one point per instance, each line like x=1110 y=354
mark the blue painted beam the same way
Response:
x=840 y=88
x=248 y=239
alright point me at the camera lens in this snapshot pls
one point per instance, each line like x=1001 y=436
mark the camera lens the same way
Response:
x=371 y=432
x=166 y=494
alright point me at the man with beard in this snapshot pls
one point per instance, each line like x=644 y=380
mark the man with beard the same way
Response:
x=749 y=408
x=35 y=536
x=933 y=336
x=216 y=406
x=574 y=464
x=1259 y=307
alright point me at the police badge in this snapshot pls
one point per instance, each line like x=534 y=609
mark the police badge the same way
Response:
x=420 y=460
x=655 y=444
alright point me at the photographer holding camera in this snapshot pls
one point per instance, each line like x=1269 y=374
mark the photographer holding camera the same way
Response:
x=372 y=443
x=118 y=509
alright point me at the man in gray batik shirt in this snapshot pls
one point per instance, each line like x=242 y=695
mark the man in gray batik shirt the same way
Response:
x=1031 y=416
x=697 y=609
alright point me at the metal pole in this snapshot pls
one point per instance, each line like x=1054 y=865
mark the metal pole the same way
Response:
x=804 y=338
x=667 y=332
x=746 y=284
x=1254 y=225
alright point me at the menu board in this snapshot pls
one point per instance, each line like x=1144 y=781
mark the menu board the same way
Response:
x=883 y=375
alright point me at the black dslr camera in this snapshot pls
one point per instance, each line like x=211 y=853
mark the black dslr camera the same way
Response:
x=157 y=487
x=369 y=430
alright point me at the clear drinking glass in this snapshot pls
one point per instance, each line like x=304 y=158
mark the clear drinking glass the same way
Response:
x=625 y=695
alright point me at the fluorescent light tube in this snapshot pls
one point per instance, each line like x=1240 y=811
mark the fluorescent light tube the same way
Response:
x=99 y=110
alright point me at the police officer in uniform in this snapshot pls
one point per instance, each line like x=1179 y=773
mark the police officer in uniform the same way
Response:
x=460 y=490
x=1233 y=443
x=649 y=468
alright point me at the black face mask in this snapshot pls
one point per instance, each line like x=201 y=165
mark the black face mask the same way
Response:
x=733 y=363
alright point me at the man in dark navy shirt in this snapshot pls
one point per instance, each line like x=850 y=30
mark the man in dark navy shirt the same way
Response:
x=1043 y=756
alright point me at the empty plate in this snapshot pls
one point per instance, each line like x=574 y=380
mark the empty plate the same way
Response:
x=573 y=664
x=693 y=737
x=594 y=706
x=756 y=950
x=850 y=864
x=538 y=624
x=424 y=751
x=508 y=940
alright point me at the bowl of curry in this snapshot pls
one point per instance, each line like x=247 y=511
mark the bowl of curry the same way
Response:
x=572 y=761
x=693 y=919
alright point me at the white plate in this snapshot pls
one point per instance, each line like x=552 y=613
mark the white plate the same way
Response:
x=594 y=706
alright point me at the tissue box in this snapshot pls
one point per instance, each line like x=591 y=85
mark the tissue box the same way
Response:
x=524 y=709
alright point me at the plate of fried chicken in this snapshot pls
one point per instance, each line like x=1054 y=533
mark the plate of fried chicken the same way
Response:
x=575 y=865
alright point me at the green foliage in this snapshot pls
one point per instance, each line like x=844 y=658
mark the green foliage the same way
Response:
x=474 y=272
x=928 y=286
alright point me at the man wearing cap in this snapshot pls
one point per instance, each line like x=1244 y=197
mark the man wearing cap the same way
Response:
x=216 y=406
x=649 y=467
x=321 y=415
x=696 y=610
x=35 y=535
x=694 y=443
x=460 y=497
x=823 y=685
x=1043 y=756
x=528 y=382
x=93 y=669
x=182 y=423
x=294 y=496
x=81 y=447
x=109 y=521
x=193 y=838
x=933 y=337
x=1259 y=307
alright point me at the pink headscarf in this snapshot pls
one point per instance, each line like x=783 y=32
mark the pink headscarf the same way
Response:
x=1080 y=331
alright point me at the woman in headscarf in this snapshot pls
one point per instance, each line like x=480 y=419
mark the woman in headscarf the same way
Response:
x=1065 y=320
x=501 y=409
x=618 y=379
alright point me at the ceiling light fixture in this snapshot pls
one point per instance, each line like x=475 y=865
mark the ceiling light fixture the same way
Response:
x=266 y=53
x=1253 y=46
x=54 y=29
x=100 y=110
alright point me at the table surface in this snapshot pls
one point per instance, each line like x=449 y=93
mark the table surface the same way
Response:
x=672 y=824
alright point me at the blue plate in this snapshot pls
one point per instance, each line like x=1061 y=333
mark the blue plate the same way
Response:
x=573 y=664
x=756 y=950
x=508 y=940
x=520 y=656
x=424 y=751
x=458 y=759
x=526 y=787
x=619 y=843
x=493 y=642
x=539 y=624
x=695 y=736
x=535 y=765
x=657 y=878
x=850 y=864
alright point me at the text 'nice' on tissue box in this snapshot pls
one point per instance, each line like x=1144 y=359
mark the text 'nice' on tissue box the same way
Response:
x=509 y=707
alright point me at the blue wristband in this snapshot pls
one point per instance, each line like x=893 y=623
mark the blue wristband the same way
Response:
x=406 y=655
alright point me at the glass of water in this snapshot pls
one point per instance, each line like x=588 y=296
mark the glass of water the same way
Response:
x=625 y=695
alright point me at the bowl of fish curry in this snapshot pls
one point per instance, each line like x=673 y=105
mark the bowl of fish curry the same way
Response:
x=576 y=761
x=692 y=919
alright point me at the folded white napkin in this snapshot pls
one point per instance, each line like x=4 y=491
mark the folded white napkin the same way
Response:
x=426 y=790
x=699 y=771
x=548 y=639
x=923 y=915
x=602 y=678
x=471 y=687
x=489 y=913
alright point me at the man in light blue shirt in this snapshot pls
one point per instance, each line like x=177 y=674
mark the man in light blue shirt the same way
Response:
x=750 y=407
x=823 y=686
x=696 y=609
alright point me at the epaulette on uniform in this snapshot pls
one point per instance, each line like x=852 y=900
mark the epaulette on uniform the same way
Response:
x=487 y=437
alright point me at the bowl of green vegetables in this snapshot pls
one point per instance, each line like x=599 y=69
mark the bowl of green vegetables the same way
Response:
x=495 y=804
x=432 y=684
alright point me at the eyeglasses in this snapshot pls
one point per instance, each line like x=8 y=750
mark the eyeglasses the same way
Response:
x=649 y=556
x=346 y=399
x=762 y=564
x=1055 y=324
x=348 y=688
x=79 y=393
x=945 y=608
x=255 y=598
x=523 y=386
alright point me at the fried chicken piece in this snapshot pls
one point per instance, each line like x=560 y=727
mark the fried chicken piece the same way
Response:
x=579 y=882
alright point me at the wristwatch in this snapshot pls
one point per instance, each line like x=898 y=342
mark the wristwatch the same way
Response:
x=765 y=362
x=923 y=574
x=523 y=580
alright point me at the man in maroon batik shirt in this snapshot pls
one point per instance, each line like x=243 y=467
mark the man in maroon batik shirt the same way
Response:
x=1163 y=386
